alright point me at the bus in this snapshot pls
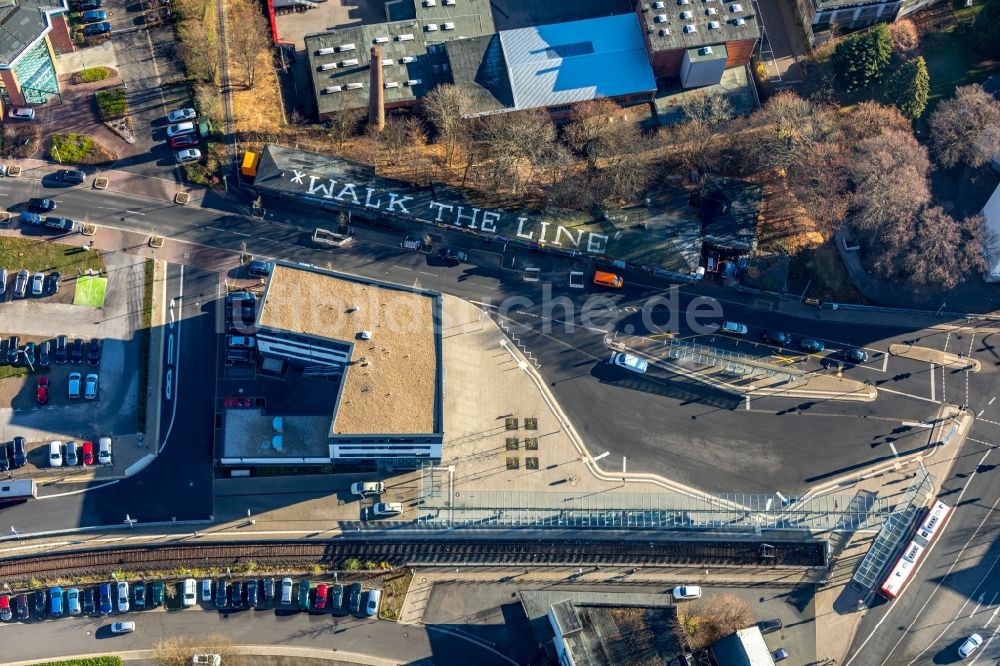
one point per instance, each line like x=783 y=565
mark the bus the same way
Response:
x=931 y=526
x=18 y=490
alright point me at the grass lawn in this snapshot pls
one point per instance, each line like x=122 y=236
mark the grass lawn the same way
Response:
x=393 y=594
x=824 y=273
x=90 y=291
x=78 y=149
x=91 y=74
x=44 y=255
x=112 y=103
x=87 y=661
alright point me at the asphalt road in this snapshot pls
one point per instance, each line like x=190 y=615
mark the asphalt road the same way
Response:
x=389 y=640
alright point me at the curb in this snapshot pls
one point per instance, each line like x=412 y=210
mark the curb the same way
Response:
x=929 y=355
x=329 y=654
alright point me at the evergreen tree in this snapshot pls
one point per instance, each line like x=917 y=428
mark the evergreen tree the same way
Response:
x=861 y=58
x=909 y=88
x=986 y=29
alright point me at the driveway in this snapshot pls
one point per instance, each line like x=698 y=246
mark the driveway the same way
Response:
x=783 y=44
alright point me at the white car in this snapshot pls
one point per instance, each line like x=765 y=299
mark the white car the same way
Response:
x=180 y=115
x=629 y=362
x=387 y=509
x=123 y=598
x=367 y=488
x=37 y=284
x=190 y=592
x=687 y=592
x=55 y=454
x=374 y=596
x=90 y=387
x=207 y=659
x=22 y=113
x=123 y=627
x=970 y=645
x=187 y=155
x=104 y=451
x=733 y=328
x=178 y=129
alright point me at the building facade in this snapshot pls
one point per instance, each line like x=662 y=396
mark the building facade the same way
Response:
x=32 y=34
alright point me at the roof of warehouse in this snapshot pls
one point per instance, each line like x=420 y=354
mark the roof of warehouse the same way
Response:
x=477 y=66
x=21 y=23
x=665 y=22
x=562 y=63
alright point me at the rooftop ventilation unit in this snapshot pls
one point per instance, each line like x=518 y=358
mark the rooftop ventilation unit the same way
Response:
x=705 y=50
x=664 y=32
x=448 y=26
x=713 y=25
x=659 y=5
x=350 y=62
x=735 y=7
x=408 y=59
x=686 y=15
x=711 y=11
x=345 y=47
x=387 y=61
x=431 y=27
x=407 y=37
x=332 y=89
x=739 y=20
x=381 y=40
x=328 y=66
x=391 y=84
x=327 y=51
x=355 y=86
x=414 y=82
x=430 y=3
x=690 y=27
x=660 y=18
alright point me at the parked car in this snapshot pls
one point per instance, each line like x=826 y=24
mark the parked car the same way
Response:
x=105 y=598
x=21 y=284
x=19 y=457
x=178 y=129
x=13 y=349
x=6 y=615
x=269 y=589
x=207 y=660
x=319 y=602
x=220 y=594
x=139 y=594
x=90 y=387
x=94 y=352
x=4 y=459
x=304 y=586
x=241 y=342
x=59 y=352
x=43 y=205
x=184 y=141
x=259 y=268
x=22 y=113
x=41 y=605
x=86 y=5
x=60 y=224
x=236 y=595
x=73 y=601
x=238 y=356
x=630 y=362
x=206 y=590
x=94 y=15
x=71 y=458
x=733 y=328
x=187 y=155
x=73 y=175
x=252 y=587
x=3 y=281
x=29 y=218
x=76 y=351
x=43 y=354
x=286 y=591
x=23 y=608
x=855 y=355
x=970 y=645
x=769 y=626
x=94 y=29
x=55 y=454
x=354 y=605
x=374 y=596
x=337 y=598
x=88 y=601
x=123 y=597
x=87 y=453
x=448 y=254
x=56 y=601
x=42 y=390
x=159 y=588
x=190 y=592
x=180 y=115
x=74 y=384
x=686 y=592
x=780 y=654
x=777 y=337
x=104 y=451
x=367 y=488
x=52 y=284
x=123 y=627
x=385 y=509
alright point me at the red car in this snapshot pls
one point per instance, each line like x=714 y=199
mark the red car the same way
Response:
x=42 y=390
x=184 y=141
x=321 y=597
x=87 y=453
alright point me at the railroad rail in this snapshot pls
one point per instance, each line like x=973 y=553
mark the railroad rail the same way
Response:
x=423 y=552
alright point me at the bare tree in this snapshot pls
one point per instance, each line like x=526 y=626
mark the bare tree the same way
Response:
x=890 y=179
x=944 y=251
x=398 y=138
x=904 y=37
x=512 y=145
x=198 y=49
x=446 y=107
x=963 y=128
x=594 y=129
x=248 y=37
x=708 y=620
x=710 y=109
x=344 y=125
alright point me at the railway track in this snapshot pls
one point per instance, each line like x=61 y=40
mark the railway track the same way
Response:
x=424 y=552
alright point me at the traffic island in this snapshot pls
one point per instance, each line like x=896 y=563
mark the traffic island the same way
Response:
x=929 y=355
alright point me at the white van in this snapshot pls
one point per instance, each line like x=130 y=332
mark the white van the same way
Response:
x=55 y=454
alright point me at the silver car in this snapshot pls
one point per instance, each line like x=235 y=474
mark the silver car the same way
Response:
x=37 y=284
x=71 y=458
x=21 y=283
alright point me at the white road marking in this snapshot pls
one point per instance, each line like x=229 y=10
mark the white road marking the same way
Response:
x=980 y=603
x=894 y=451
x=917 y=424
x=924 y=560
x=173 y=414
x=989 y=640
x=240 y=233
x=909 y=395
x=932 y=381
x=748 y=402
x=885 y=362
x=980 y=413
x=215 y=228
x=402 y=267
x=135 y=212
x=991 y=400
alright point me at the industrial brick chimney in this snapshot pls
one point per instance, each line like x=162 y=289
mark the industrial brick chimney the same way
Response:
x=376 y=96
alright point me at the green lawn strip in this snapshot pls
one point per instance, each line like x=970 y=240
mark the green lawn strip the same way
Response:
x=144 y=342
x=43 y=255
x=91 y=74
x=112 y=104
x=89 y=661
x=12 y=371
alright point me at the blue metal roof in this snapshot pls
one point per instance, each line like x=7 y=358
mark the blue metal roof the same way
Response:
x=562 y=63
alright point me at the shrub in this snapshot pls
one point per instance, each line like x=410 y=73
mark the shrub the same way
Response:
x=352 y=564
x=861 y=58
x=112 y=104
x=91 y=74
x=71 y=147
